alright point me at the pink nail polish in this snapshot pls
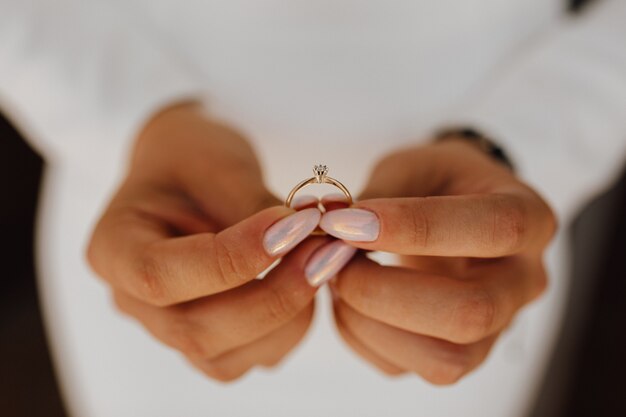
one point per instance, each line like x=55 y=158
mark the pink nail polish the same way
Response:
x=285 y=234
x=351 y=224
x=327 y=261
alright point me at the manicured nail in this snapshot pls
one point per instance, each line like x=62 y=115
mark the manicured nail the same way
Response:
x=351 y=224
x=285 y=234
x=304 y=201
x=327 y=261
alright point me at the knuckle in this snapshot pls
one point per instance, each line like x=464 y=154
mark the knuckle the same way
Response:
x=148 y=282
x=354 y=289
x=446 y=372
x=270 y=363
x=419 y=231
x=183 y=338
x=222 y=373
x=95 y=257
x=474 y=316
x=280 y=305
x=509 y=224
x=228 y=264
x=92 y=257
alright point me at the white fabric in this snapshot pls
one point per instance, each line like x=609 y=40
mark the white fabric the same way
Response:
x=336 y=82
x=560 y=107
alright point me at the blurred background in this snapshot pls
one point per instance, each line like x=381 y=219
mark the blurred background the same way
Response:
x=586 y=376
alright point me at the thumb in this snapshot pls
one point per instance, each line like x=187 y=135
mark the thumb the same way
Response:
x=210 y=162
x=140 y=258
x=229 y=195
x=238 y=202
x=410 y=172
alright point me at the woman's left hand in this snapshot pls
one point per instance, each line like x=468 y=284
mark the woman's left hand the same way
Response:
x=472 y=238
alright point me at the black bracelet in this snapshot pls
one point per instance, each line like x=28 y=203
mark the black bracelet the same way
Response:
x=484 y=142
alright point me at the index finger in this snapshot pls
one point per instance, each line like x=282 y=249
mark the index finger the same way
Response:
x=136 y=255
x=476 y=225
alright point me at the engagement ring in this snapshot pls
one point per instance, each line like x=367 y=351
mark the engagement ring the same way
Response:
x=320 y=177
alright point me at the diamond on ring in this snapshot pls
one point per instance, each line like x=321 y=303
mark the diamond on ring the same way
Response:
x=320 y=172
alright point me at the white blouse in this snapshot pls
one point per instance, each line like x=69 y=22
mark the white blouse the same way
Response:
x=338 y=82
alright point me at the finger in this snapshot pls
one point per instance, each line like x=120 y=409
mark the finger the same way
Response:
x=438 y=361
x=134 y=253
x=429 y=169
x=211 y=326
x=220 y=170
x=267 y=351
x=439 y=265
x=334 y=201
x=480 y=225
x=364 y=352
x=176 y=212
x=389 y=176
x=457 y=310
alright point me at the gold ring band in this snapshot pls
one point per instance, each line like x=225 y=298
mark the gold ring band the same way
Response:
x=320 y=177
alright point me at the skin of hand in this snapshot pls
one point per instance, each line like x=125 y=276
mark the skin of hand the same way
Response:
x=188 y=231
x=471 y=238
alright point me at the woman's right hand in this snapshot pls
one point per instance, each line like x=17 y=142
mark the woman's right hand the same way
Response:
x=185 y=236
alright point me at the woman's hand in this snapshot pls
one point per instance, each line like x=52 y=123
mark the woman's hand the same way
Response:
x=185 y=236
x=472 y=238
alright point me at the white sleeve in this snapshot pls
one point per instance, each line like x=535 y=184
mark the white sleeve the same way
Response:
x=80 y=77
x=560 y=109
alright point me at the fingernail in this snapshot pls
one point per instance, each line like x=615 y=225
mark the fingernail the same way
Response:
x=285 y=234
x=327 y=261
x=351 y=224
x=304 y=201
